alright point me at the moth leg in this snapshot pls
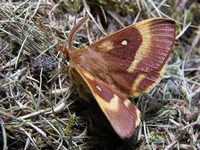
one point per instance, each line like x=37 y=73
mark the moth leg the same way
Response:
x=63 y=68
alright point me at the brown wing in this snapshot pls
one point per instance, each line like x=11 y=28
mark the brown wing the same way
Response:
x=121 y=113
x=136 y=55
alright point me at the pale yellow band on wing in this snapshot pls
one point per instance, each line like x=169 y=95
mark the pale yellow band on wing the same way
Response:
x=161 y=72
x=88 y=75
x=144 y=48
x=105 y=46
x=135 y=85
x=138 y=81
x=112 y=106
x=138 y=118
x=127 y=102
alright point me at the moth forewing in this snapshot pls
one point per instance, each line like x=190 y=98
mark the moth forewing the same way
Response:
x=135 y=52
x=123 y=116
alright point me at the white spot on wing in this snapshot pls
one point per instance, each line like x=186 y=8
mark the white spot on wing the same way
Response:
x=124 y=42
x=98 y=88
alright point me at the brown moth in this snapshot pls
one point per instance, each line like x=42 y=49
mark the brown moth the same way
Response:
x=126 y=63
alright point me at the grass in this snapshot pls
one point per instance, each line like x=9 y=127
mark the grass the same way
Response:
x=37 y=114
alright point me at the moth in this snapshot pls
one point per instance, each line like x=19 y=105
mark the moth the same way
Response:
x=126 y=63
